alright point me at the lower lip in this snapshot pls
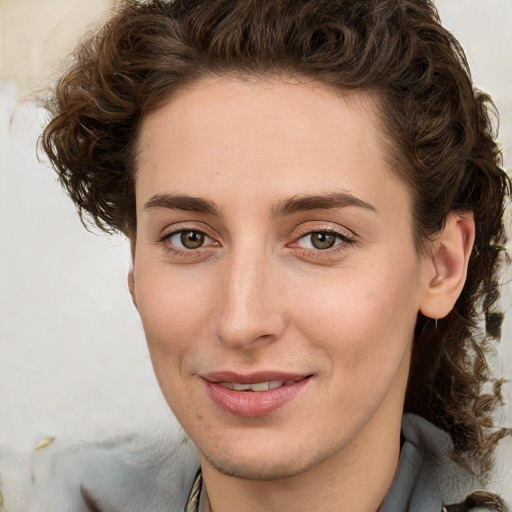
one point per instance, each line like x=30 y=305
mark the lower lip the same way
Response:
x=250 y=404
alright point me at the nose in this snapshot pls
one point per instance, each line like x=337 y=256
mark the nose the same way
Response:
x=250 y=310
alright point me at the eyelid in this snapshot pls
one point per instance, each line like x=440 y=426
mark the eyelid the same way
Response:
x=178 y=227
x=323 y=227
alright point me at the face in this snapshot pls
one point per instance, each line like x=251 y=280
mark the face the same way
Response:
x=275 y=273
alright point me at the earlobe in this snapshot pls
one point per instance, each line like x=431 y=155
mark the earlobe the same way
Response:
x=131 y=286
x=447 y=265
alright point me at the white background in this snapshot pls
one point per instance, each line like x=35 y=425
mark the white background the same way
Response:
x=73 y=361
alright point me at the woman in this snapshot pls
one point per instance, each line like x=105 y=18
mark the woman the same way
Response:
x=313 y=196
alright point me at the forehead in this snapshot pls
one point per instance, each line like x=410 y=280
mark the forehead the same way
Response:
x=279 y=138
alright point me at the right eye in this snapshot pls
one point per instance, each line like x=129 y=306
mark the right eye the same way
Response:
x=189 y=239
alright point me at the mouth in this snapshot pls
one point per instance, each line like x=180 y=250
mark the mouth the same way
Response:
x=254 y=395
x=258 y=386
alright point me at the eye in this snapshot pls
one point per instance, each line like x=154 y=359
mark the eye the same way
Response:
x=189 y=239
x=320 y=240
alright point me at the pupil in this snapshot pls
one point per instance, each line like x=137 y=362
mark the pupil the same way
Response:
x=192 y=239
x=323 y=240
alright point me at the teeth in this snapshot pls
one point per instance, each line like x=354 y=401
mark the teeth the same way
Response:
x=258 y=386
x=241 y=387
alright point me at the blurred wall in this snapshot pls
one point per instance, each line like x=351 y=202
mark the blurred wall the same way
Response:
x=74 y=369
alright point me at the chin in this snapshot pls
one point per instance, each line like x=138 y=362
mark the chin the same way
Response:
x=265 y=466
x=259 y=471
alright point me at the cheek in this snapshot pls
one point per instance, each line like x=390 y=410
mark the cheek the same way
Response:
x=174 y=309
x=173 y=313
x=364 y=319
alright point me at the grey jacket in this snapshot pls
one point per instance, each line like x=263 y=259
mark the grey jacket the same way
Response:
x=429 y=480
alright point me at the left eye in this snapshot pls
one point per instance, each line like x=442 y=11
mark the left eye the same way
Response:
x=189 y=239
x=320 y=240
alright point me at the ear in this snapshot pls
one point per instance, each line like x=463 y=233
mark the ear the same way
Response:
x=131 y=286
x=132 y=238
x=447 y=265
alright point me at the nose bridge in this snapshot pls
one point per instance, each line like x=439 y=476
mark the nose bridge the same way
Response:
x=248 y=311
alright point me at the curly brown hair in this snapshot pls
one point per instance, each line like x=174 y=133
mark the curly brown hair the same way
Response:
x=441 y=130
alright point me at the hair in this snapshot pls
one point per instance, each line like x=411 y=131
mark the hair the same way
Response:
x=440 y=128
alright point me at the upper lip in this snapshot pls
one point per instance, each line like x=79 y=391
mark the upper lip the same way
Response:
x=252 y=378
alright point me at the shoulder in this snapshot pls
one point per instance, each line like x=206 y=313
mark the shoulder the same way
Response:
x=428 y=479
x=149 y=471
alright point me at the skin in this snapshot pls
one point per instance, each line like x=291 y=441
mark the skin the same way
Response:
x=258 y=295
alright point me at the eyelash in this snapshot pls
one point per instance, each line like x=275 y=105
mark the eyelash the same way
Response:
x=343 y=239
x=165 y=241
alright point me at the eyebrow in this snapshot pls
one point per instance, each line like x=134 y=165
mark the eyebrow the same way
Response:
x=182 y=202
x=320 y=202
x=287 y=207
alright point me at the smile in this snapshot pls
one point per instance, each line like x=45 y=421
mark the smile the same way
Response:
x=254 y=396
x=258 y=386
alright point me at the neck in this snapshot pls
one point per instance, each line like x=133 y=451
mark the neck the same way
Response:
x=356 y=478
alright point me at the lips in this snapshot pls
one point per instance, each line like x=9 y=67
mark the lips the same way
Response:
x=253 y=395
